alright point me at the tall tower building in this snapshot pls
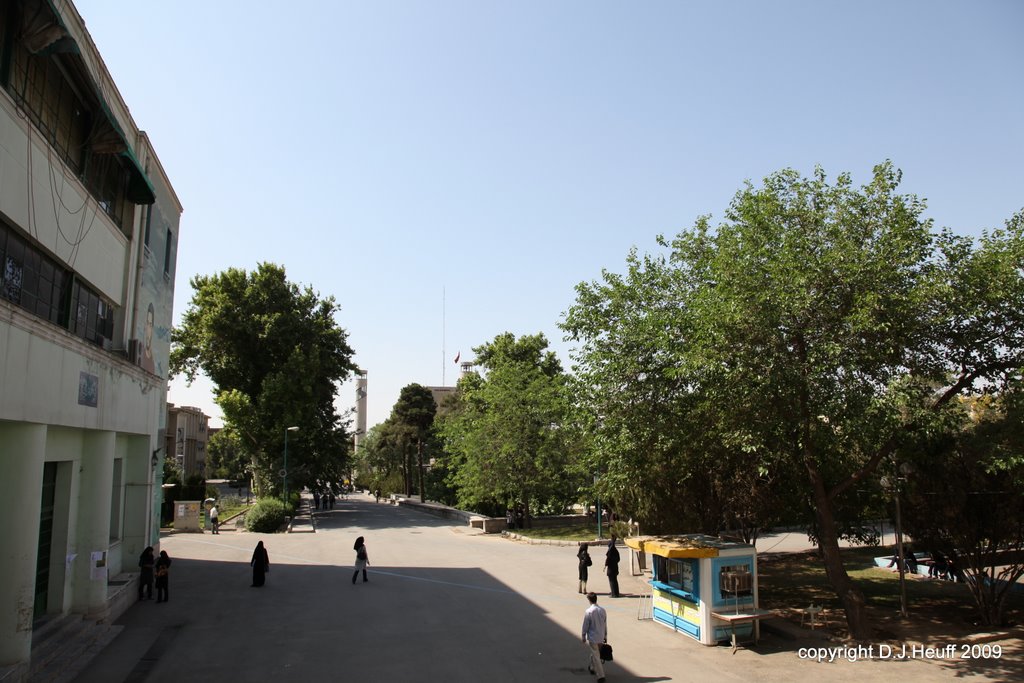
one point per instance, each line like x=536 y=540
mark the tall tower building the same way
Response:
x=360 y=411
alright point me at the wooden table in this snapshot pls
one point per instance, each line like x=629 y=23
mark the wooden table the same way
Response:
x=750 y=615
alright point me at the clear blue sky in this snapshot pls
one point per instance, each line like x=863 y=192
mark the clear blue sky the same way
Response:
x=386 y=152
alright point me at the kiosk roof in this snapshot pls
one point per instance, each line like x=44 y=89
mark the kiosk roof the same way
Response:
x=683 y=545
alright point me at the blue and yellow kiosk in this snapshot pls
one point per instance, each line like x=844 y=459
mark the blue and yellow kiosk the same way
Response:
x=703 y=587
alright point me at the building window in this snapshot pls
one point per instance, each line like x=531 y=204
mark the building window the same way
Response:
x=146 y=232
x=679 y=574
x=168 y=253
x=51 y=103
x=76 y=129
x=92 y=318
x=35 y=282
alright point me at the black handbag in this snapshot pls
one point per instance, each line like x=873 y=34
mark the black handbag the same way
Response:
x=605 y=651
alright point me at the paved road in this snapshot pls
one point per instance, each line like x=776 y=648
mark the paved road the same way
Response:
x=444 y=603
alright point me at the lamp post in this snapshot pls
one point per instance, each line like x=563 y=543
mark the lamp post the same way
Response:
x=892 y=484
x=285 y=470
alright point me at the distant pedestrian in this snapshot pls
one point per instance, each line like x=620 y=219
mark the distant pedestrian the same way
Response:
x=146 y=564
x=362 y=559
x=163 y=570
x=611 y=567
x=316 y=499
x=510 y=519
x=260 y=565
x=330 y=497
x=214 y=519
x=595 y=632
x=376 y=495
x=583 y=555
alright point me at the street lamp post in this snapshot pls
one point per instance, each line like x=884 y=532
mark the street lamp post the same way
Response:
x=892 y=484
x=285 y=471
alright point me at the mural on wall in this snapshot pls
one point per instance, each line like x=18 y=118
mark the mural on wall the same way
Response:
x=156 y=295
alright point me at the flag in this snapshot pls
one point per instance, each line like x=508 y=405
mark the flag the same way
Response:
x=457 y=357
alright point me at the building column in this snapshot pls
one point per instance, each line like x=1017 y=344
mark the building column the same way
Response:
x=22 y=451
x=138 y=494
x=96 y=478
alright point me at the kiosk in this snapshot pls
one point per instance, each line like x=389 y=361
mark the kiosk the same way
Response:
x=703 y=587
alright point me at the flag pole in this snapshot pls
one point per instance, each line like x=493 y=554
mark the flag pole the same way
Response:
x=444 y=353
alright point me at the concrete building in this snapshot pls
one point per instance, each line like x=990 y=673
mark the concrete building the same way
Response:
x=88 y=238
x=186 y=438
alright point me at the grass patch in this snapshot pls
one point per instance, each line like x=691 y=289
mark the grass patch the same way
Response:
x=563 y=533
x=936 y=608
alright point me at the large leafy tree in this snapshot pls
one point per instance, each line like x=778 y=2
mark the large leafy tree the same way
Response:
x=275 y=355
x=814 y=331
x=381 y=461
x=227 y=455
x=650 y=432
x=966 y=494
x=413 y=415
x=503 y=433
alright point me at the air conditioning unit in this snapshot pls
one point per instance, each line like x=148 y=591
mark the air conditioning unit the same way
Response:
x=135 y=351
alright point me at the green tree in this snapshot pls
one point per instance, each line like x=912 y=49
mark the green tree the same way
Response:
x=966 y=495
x=413 y=414
x=810 y=330
x=649 y=430
x=380 y=460
x=276 y=356
x=503 y=432
x=227 y=455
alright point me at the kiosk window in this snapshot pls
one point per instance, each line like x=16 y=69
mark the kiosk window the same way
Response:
x=676 y=573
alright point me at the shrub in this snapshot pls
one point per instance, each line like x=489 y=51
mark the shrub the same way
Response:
x=266 y=516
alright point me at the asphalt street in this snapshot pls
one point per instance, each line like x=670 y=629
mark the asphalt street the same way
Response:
x=444 y=603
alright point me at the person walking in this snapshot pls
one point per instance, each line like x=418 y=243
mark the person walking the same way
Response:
x=362 y=559
x=583 y=555
x=595 y=632
x=214 y=518
x=163 y=568
x=146 y=564
x=611 y=567
x=260 y=565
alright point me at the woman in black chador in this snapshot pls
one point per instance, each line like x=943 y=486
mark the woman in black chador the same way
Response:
x=146 y=564
x=260 y=565
x=583 y=555
x=362 y=559
x=611 y=567
x=163 y=567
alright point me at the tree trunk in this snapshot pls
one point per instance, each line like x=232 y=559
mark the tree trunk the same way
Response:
x=419 y=458
x=406 y=473
x=828 y=541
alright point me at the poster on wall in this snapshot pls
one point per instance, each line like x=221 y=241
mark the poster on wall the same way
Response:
x=98 y=565
x=88 y=389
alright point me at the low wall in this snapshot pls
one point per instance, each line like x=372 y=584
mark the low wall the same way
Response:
x=122 y=593
x=440 y=510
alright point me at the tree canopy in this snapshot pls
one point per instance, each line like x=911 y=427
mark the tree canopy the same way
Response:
x=810 y=333
x=275 y=355
x=503 y=432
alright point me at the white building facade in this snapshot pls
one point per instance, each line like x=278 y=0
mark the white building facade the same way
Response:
x=88 y=240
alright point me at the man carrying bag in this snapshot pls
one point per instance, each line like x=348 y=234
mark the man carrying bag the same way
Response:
x=595 y=634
